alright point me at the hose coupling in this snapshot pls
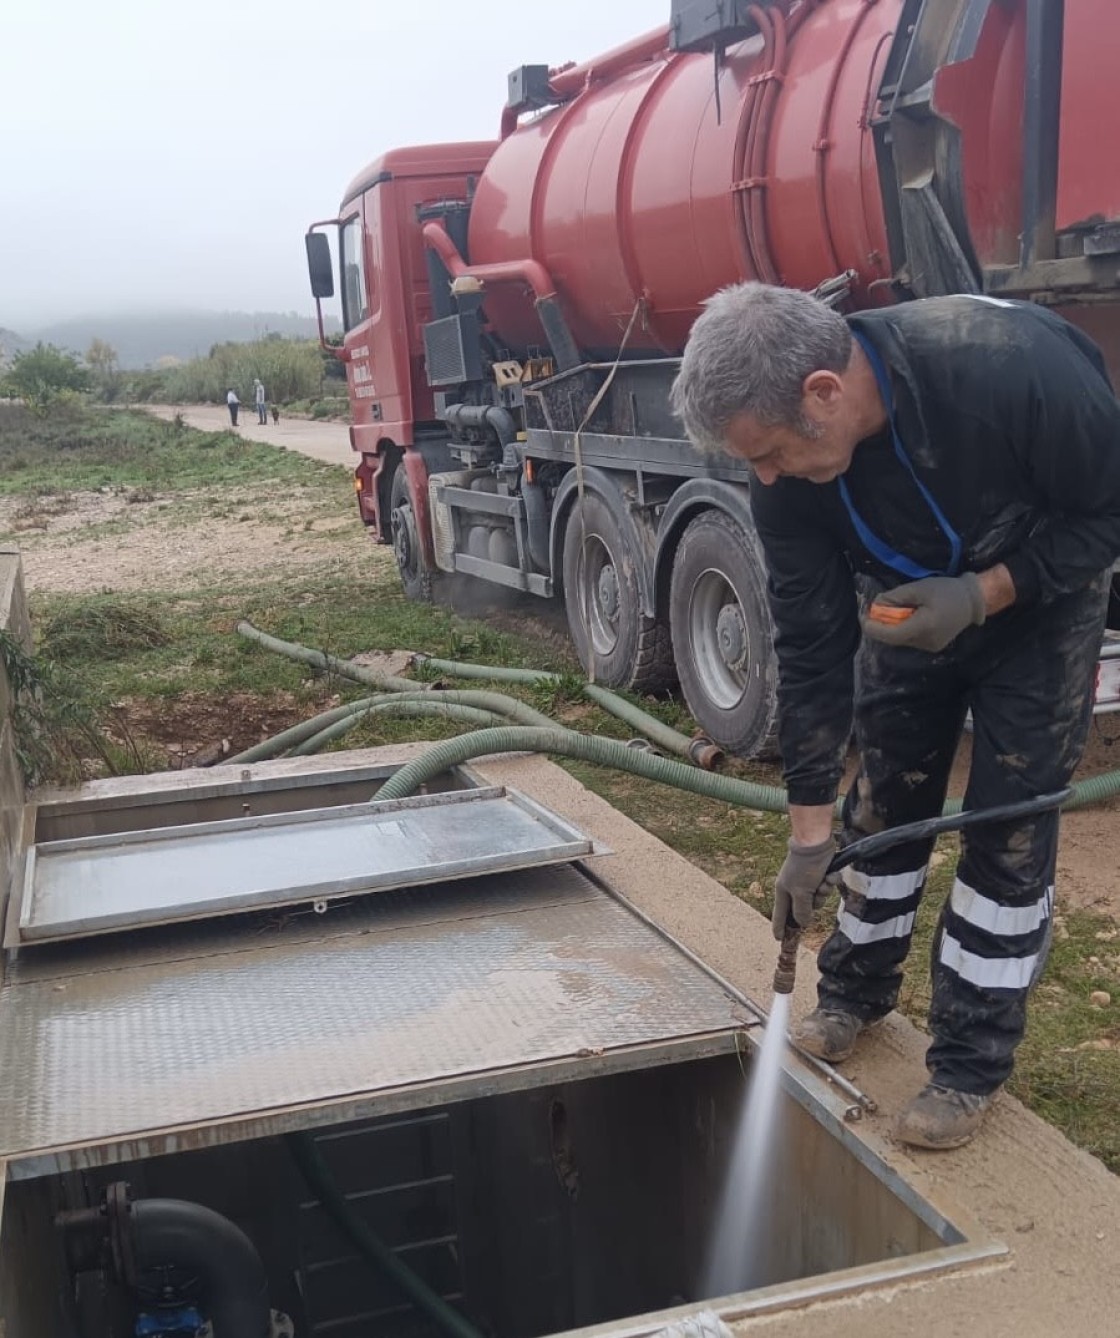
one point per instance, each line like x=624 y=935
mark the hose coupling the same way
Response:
x=703 y=753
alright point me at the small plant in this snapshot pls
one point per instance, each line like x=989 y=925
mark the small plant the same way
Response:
x=550 y=694
x=63 y=732
x=492 y=646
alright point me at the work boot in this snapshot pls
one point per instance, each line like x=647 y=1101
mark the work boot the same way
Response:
x=829 y=1034
x=940 y=1118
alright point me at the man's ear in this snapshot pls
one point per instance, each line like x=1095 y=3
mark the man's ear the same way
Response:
x=823 y=390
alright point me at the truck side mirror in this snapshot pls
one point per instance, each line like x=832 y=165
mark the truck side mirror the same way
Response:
x=319 y=266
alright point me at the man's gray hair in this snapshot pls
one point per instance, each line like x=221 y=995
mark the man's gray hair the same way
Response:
x=749 y=352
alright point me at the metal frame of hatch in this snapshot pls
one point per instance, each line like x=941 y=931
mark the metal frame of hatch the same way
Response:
x=560 y=842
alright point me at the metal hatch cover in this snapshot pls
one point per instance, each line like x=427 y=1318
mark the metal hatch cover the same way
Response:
x=217 y=1031
x=95 y=884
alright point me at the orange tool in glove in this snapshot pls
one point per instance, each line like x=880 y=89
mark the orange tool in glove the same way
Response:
x=890 y=615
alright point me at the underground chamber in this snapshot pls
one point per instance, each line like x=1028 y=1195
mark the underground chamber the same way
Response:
x=497 y=1102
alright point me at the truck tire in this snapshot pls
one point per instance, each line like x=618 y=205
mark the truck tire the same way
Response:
x=617 y=644
x=416 y=579
x=722 y=637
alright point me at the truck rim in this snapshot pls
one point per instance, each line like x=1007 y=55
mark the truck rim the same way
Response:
x=598 y=595
x=720 y=639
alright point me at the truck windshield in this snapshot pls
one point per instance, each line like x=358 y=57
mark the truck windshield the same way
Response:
x=355 y=304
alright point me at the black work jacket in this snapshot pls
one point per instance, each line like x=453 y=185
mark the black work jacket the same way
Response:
x=1008 y=418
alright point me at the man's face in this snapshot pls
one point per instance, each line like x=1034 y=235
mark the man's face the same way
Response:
x=819 y=451
x=837 y=410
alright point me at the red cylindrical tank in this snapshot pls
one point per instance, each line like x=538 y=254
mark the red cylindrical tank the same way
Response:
x=645 y=187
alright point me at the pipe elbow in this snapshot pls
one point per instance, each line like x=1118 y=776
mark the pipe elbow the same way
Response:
x=188 y=1235
x=501 y=420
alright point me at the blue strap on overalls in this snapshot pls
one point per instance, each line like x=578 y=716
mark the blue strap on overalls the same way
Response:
x=871 y=541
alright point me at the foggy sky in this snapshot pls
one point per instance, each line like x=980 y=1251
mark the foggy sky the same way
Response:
x=169 y=154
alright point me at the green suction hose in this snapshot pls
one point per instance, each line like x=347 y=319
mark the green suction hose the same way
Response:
x=1095 y=790
x=765 y=798
x=701 y=751
x=497 y=673
x=587 y=748
x=486 y=706
x=288 y=738
x=320 y=659
x=467 y=715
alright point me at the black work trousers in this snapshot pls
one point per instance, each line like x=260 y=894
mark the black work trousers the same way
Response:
x=1028 y=677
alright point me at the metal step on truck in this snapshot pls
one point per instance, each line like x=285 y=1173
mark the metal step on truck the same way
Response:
x=514 y=309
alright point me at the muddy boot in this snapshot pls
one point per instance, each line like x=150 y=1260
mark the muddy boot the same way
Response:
x=940 y=1118
x=829 y=1035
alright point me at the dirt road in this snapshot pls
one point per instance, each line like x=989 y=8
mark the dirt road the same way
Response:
x=329 y=442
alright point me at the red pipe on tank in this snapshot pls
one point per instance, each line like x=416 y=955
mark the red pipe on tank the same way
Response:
x=760 y=141
x=823 y=144
x=566 y=83
x=752 y=141
x=530 y=272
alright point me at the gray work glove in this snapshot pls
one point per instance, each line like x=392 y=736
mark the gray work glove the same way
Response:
x=943 y=607
x=802 y=884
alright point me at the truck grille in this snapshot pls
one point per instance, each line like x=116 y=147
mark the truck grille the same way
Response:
x=452 y=350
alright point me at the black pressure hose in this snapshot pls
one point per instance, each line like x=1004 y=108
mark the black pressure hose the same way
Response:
x=877 y=842
x=187 y=1236
x=868 y=846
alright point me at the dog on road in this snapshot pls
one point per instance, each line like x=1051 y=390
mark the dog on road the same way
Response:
x=275 y=414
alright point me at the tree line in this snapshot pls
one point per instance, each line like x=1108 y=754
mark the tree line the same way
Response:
x=291 y=369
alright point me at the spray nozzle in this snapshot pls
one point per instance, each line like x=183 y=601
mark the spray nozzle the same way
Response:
x=786 y=971
x=927 y=828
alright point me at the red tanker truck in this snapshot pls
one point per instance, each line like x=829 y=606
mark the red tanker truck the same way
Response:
x=514 y=309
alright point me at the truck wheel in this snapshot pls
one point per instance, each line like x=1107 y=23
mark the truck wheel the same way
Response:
x=722 y=638
x=617 y=645
x=416 y=580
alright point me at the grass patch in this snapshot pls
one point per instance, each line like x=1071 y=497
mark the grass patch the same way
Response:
x=107 y=630
x=110 y=449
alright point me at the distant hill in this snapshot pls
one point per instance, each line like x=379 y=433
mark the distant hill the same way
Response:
x=143 y=339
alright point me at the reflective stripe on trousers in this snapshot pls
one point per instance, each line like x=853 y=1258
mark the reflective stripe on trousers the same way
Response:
x=1027 y=676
